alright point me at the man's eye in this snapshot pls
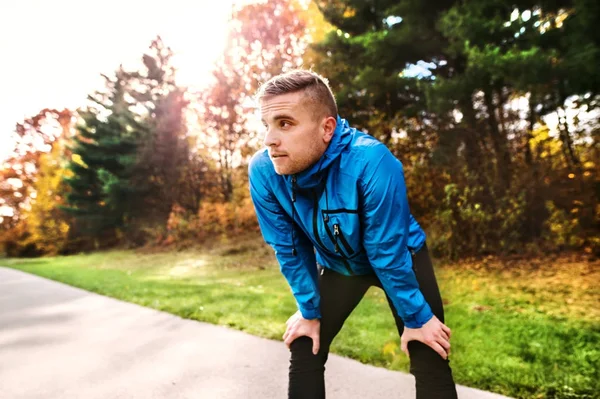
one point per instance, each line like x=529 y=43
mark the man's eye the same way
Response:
x=284 y=124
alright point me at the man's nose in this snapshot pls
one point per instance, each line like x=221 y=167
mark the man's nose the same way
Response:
x=271 y=138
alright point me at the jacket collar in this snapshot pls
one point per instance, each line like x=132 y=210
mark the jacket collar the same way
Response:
x=314 y=175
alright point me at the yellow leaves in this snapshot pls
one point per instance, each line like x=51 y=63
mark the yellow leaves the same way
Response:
x=390 y=348
x=63 y=228
x=214 y=219
x=589 y=165
x=315 y=21
x=543 y=143
x=76 y=158
x=349 y=12
x=560 y=18
x=46 y=227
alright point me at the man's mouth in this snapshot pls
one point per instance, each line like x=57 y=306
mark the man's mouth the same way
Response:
x=278 y=155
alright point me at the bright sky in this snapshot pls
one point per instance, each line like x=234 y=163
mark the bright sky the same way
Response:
x=52 y=52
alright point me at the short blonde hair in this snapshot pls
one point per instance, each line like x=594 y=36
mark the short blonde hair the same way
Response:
x=315 y=87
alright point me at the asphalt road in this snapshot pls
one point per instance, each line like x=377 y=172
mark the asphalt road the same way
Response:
x=61 y=342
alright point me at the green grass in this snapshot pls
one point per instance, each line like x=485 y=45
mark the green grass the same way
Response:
x=530 y=332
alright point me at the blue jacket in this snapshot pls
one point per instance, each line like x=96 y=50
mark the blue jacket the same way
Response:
x=348 y=212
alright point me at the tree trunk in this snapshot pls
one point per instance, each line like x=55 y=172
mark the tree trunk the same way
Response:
x=503 y=160
x=473 y=152
x=536 y=211
x=529 y=134
x=565 y=137
x=501 y=118
x=476 y=165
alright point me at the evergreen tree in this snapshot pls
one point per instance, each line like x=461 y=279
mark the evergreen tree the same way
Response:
x=164 y=151
x=101 y=192
x=438 y=82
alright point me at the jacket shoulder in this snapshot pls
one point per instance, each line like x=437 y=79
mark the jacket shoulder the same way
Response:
x=260 y=165
x=365 y=151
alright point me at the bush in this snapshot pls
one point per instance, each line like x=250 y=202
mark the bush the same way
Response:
x=562 y=229
x=227 y=219
x=14 y=242
x=467 y=226
x=214 y=220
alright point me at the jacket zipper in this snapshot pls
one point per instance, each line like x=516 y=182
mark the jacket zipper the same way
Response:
x=316 y=232
x=331 y=236
x=338 y=232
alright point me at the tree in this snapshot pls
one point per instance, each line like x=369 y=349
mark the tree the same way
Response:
x=164 y=152
x=35 y=138
x=438 y=82
x=47 y=226
x=101 y=194
x=265 y=39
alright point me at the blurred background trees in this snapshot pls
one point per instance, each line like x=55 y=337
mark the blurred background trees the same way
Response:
x=492 y=106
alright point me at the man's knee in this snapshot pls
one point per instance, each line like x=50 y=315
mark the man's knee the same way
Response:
x=302 y=358
x=432 y=372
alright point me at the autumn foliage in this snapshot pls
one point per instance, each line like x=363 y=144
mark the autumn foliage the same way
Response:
x=491 y=106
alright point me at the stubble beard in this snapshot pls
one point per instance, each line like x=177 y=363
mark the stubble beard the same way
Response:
x=299 y=165
x=303 y=161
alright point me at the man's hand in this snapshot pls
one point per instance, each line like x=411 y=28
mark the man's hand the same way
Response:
x=298 y=326
x=434 y=334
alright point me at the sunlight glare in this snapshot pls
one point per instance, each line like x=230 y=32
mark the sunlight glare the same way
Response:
x=58 y=52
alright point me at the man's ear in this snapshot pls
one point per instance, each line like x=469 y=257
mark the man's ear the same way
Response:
x=329 y=124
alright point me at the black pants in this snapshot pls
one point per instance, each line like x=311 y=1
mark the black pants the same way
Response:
x=339 y=296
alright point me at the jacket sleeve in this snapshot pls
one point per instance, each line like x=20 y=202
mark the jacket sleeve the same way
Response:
x=386 y=220
x=276 y=225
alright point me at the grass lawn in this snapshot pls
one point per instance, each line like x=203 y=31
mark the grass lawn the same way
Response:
x=526 y=329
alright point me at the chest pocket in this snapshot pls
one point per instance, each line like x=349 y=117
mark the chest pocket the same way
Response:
x=343 y=233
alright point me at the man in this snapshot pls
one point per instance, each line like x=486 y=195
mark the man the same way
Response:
x=326 y=194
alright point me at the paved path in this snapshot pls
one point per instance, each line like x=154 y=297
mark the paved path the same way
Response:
x=61 y=342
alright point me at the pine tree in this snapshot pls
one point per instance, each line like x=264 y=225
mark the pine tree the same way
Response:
x=104 y=154
x=164 y=151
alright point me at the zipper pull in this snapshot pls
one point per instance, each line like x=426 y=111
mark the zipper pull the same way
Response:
x=336 y=233
x=293 y=188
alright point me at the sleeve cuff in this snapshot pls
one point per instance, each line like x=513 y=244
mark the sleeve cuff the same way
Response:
x=310 y=314
x=419 y=319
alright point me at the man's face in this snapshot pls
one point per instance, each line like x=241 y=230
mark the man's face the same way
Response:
x=296 y=139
